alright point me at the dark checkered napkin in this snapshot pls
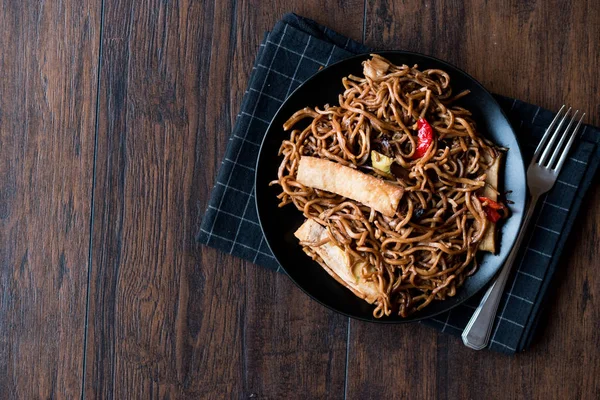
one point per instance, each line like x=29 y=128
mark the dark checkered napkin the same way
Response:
x=294 y=50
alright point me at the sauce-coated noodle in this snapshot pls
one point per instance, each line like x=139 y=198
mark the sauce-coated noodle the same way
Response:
x=427 y=250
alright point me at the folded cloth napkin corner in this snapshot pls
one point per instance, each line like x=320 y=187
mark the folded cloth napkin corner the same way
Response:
x=293 y=51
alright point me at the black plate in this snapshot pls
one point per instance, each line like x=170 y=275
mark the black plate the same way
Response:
x=279 y=224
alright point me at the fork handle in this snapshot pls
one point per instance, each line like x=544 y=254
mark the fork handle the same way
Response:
x=477 y=332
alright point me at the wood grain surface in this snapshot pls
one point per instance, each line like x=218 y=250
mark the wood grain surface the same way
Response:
x=48 y=83
x=114 y=118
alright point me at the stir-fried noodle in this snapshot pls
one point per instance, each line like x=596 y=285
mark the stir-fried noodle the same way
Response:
x=427 y=249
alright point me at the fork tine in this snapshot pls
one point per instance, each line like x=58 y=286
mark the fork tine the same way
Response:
x=565 y=152
x=547 y=134
x=557 y=132
x=563 y=137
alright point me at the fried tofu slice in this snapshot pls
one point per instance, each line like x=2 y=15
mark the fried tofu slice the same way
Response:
x=335 y=261
x=348 y=182
x=376 y=67
x=490 y=238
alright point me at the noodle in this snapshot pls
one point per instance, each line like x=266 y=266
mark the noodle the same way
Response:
x=427 y=249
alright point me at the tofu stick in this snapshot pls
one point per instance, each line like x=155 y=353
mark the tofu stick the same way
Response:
x=490 y=238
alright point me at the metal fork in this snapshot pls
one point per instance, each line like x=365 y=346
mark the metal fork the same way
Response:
x=548 y=159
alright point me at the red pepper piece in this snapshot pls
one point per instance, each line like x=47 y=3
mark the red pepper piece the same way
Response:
x=491 y=203
x=425 y=138
x=492 y=214
x=491 y=208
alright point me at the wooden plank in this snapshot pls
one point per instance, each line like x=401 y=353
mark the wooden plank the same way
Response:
x=165 y=315
x=49 y=64
x=391 y=361
x=494 y=42
x=293 y=347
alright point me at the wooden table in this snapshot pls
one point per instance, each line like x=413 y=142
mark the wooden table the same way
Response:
x=114 y=117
